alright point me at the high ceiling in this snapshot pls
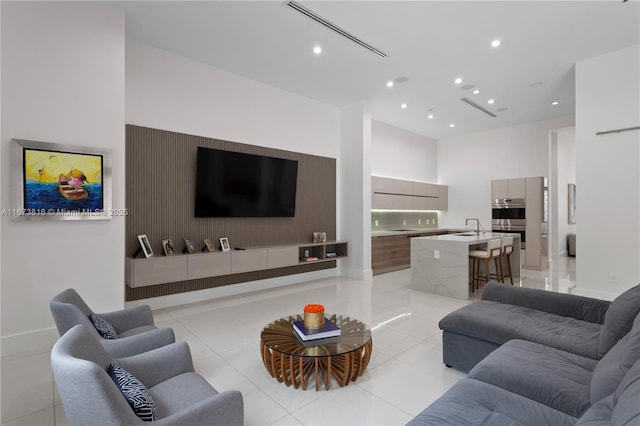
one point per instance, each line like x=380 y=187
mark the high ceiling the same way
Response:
x=429 y=42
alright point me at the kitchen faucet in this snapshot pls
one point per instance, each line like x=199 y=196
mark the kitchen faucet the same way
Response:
x=466 y=222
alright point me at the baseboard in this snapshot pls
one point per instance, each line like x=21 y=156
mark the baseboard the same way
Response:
x=32 y=341
x=604 y=295
x=231 y=290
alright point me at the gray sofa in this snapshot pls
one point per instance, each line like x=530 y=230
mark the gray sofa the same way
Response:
x=555 y=373
x=576 y=324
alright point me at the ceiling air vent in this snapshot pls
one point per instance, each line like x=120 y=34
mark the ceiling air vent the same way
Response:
x=475 y=105
x=333 y=27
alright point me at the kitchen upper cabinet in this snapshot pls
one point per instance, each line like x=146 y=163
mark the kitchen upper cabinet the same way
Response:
x=399 y=194
x=382 y=184
x=508 y=188
x=443 y=197
x=424 y=189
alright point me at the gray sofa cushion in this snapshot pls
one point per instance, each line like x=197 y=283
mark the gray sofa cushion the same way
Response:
x=549 y=376
x=615 y=364
x=621 y=408
x=472 y=402
x=619 y=318
x=500 y=322
x=566 y=305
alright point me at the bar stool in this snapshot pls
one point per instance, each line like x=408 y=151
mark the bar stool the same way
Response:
x=493 y=252
x=507 y=249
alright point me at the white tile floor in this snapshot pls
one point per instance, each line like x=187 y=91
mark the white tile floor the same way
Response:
x=404 y=376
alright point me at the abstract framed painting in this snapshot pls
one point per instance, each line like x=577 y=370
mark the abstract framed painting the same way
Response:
x=60 y=182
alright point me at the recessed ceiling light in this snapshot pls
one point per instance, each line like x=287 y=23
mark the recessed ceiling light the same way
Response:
x=403 y=106
x=495 y=43
x=389 y=83
x=554 y=103
x=430 y=116
x=475 y=92
x=458 y=80
x=452 y=125
x=490 y=101
x=317 y=50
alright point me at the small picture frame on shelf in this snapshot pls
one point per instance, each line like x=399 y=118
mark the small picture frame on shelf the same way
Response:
x=188 y=246
x=145 y=246
x=224 y=244
x=209 y=245
x=168 y=248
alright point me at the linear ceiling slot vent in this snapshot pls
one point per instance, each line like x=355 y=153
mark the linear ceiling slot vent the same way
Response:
x=475 y=105
x=333 y=27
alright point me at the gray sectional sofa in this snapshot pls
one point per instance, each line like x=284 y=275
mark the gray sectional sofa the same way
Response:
x=541 y=358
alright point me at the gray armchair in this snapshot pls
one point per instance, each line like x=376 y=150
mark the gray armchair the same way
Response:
x=136 y=332
x=180 y=396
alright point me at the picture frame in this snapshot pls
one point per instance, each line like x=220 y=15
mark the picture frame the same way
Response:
x=572 y=203
x=145 y=246
x=53 y=181
x=224 y=244
x=189 y=247
x=168 y=248
x=209 y=245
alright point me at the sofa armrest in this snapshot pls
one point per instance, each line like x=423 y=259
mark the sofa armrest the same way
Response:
x=160 y=364
x=139 y=343
x=566 y=305
x=129 y=318
x=223 y=409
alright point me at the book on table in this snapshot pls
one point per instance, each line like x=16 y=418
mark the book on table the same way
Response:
x=329 y=330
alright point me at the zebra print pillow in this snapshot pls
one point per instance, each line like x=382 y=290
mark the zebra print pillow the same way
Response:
x=105 y=329
x=134 y=392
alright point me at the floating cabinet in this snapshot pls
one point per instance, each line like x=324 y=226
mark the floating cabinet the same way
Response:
x=205 y=265
x=183 y=267
x=248 y=260
x=280 y=257
x=155 y=270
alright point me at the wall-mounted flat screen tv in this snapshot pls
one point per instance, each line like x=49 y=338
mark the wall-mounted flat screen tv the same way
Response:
x=235 y=184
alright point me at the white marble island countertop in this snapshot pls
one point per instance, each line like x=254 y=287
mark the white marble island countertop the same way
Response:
x=440 y=263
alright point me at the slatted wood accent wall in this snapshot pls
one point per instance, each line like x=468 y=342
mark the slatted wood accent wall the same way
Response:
x=160 y=181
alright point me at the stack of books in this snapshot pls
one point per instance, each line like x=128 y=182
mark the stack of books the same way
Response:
x=329 y=330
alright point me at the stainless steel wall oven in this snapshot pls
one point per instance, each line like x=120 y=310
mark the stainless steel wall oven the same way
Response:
x=509 y=215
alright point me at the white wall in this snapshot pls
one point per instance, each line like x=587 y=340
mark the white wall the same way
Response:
x=468 y=163
x=170 y=92
x=608 y=172
x=401 y=154
x=62 y=81
x=566 y=163
x=355 y=182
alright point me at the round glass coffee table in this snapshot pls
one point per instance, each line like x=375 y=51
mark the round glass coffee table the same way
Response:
x=290 y=360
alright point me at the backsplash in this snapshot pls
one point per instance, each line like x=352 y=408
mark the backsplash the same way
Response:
x=391 y=220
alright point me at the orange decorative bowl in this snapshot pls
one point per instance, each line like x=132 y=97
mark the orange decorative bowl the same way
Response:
x=313 y=316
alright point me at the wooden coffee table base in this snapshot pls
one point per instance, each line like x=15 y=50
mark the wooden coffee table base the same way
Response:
x=297 y=370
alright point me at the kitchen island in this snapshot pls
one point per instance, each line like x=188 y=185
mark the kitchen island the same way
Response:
x=440 y=263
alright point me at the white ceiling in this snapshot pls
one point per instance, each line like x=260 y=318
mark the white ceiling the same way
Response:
x=430 y=42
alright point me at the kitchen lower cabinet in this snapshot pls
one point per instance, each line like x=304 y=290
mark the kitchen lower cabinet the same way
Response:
x=390 y=253
x=393 y=252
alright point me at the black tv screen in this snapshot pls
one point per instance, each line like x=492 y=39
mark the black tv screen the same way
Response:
x=235 y=184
